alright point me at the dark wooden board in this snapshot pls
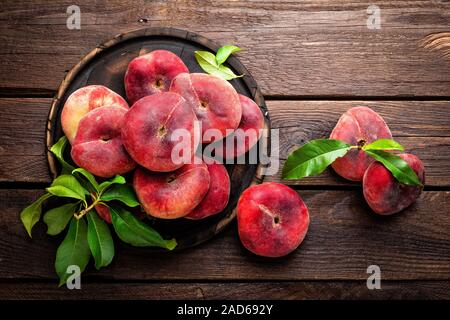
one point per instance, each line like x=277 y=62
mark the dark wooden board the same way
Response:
x=229 y=290
x=424 y=130
x=344 y=238
x=312 y=48
x=107 y=64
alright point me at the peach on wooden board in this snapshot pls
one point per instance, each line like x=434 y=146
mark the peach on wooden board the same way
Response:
x=214 y=101
x=103 y=212
x=83 y=100
x=151 y=73
x=218 y=194
x=172 y=195
x=98 y=146
x=272 y=219
x=358 y=126
x=384 y=194
x=247 y=134
x=148 y=129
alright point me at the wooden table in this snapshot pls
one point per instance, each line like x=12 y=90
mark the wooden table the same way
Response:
x=313 y=60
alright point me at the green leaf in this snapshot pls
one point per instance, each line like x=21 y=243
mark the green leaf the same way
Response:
x=124 y=193
x=31 y=214
x=207 y=61
x=224 y=52
x=89 y=177
x=58 y=218
x=67 y=186
x=383 y=144
x=226 y=73
x=397 y=166
x=105 y=184
x=74 y=250
x=100 y=240
x=58 y=149
x=313 y=158
x=135 y=232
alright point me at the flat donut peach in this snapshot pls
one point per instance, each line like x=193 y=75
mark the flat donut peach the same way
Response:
x=149 y=128
x=98 y=146
x=358 y=126
x=83 y=100
x=151 y=73
x=384 y=194
x=171 y=195
x=218 y=194
x=272 y=219
x=214 y=101
x=246 y=135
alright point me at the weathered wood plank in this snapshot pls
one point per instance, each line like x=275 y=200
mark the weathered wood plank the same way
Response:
x=343 y=240
x=230 y=290
x=22 y=145
x=422 y=126
x=295 y=49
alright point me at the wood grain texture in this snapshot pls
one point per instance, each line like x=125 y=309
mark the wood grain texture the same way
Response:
x=304 y=290
x=422 y=126
x=344 y=238
x=297 y=49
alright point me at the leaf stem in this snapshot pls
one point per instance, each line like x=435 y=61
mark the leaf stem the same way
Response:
x=95 y=201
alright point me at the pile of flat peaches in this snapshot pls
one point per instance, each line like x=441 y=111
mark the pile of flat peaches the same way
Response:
x=167 y=116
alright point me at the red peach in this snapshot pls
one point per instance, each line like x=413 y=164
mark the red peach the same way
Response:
x=214 y=101
x=149 y=126
x=384 y=194
x=218 y=194
x=358 y=126
x=98 y=146
x=246 y=135
x=83 y=100
x=103 y=212
x=272 y=219
x=152 y=73
x=172 y=195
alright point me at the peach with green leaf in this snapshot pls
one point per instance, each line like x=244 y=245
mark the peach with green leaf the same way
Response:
x=358 y=126
x=384 y=193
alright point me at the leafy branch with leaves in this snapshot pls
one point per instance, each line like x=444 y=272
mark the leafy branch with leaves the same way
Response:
x=315 y=156
x=89 y=235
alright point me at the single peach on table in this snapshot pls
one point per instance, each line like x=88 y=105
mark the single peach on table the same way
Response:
x=218 y=194
x=151 y=73
x=149 y=127
x=172 y=195
x=86 y=99
x=246 y=135
x=358 y=126
x=98 y=146
x=214 y=101
x=384 y=194
x=272 y=219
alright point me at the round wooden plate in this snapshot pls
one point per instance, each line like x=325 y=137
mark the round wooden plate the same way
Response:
x=106 y=65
